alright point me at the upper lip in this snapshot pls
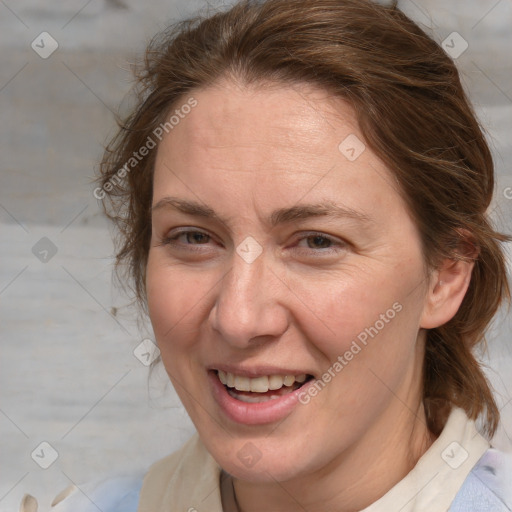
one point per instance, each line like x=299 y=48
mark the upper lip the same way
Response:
x=258 y=370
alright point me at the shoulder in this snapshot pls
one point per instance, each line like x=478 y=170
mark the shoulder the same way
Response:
x=489 y=485
x=188 y=479
x=119 y=494
x=123 y=493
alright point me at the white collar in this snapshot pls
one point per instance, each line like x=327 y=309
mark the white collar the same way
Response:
x=439 y=474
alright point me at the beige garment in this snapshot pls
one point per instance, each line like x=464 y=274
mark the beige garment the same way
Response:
x=190 y=479
x=187 y=480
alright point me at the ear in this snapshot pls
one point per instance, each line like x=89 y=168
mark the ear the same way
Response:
x=448 y=285
x=446 y=292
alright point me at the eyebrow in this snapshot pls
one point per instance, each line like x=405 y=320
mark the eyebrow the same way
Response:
x=277 y=217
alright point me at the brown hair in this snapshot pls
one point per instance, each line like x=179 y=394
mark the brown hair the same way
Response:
x=412 y=111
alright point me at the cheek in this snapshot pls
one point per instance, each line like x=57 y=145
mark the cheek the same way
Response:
x=174 y=301
x=370 y=317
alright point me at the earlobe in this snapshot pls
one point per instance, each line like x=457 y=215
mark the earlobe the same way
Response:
x=448 y=287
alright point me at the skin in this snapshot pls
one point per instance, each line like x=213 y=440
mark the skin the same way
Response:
x=245 y=152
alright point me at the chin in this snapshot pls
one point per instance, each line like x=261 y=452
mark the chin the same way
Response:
x=258 y=460
x=263 y=471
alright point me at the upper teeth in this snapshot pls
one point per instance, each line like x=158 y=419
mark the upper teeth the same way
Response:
x=259 y=384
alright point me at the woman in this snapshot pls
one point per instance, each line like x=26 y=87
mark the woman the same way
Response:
x=302 y=194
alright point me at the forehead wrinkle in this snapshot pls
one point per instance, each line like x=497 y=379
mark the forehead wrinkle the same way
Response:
x=305 y=119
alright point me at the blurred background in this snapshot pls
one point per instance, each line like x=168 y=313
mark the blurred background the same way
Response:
x=73 y=368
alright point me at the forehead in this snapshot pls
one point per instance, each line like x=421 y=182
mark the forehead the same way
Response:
x=275 y=143
x=295 y=117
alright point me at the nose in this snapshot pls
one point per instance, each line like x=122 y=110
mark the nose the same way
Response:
x=250 y=306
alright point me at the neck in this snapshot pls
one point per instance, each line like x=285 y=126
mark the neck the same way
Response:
x=357 y=477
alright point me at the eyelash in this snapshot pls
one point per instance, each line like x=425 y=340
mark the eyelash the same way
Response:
x=171 y=240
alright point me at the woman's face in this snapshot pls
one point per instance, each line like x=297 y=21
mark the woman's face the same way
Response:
x=281 y=247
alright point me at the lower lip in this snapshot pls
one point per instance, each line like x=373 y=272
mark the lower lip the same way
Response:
x=253 y=413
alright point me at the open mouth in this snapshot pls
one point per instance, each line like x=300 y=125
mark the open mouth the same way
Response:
x=261 y=389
